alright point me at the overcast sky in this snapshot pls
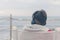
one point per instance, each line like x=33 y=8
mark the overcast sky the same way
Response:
x=28 y=7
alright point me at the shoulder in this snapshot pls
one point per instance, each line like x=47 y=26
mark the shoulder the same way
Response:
x=31 y=27
x=27 y=27
x=35 y=28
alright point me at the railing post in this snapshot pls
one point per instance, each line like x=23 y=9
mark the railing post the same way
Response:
x=10 y=26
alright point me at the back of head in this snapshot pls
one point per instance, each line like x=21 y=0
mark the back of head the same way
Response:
x=40 y=16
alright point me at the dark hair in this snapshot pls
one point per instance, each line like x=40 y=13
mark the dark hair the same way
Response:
x=40 y=16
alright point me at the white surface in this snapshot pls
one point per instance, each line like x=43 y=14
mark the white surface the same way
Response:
x=18 y=35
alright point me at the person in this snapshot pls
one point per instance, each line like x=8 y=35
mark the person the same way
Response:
x=30 y=32
x=39 y=17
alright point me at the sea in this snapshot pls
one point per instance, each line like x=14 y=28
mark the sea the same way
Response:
x=20 y=22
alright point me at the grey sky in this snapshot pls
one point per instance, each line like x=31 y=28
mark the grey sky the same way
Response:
x=27 y=7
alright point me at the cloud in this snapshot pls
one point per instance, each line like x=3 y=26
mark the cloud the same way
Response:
x=26 y=1
x=3 y=0
x=4 y=12
x=54 y=2
x=27 y=7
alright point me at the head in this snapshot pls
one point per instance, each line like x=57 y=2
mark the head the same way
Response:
x=39 y=17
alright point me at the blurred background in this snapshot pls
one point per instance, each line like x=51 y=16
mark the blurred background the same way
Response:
x=22 y=11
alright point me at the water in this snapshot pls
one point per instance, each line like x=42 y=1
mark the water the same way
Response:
x=52 y=22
